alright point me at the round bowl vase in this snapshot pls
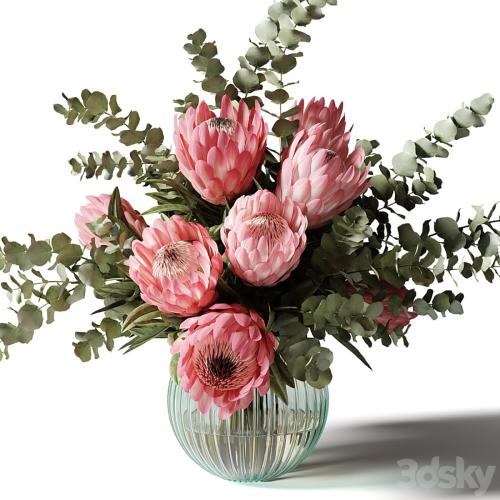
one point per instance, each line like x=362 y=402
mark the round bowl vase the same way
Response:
x=260 y=443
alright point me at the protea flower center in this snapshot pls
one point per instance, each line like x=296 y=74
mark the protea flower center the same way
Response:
x=271 y=226
x=174 y=260
x=218 y=366
x=222 y=125
x=330 y=155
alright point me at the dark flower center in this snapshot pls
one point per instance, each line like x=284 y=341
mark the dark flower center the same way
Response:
x=218 y=366
x=174 y=260
x=271 y=226
x=330 y=155
x=222 y=125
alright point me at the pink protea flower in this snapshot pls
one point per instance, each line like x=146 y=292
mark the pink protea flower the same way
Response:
x=97 y=208
x=317 y=172
x=264 y=238
x=389 y=318
x=176 y=265
x=220 y=155
x=224 y=355
x=331 y=116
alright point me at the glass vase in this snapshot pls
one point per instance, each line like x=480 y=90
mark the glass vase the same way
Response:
x=262 y=442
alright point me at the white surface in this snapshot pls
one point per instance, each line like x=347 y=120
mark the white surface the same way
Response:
x=100 y=430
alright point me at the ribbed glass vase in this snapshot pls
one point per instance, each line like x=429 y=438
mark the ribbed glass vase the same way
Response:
x=262 y=442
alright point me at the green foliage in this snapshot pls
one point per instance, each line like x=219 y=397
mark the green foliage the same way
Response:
x=152 y=159
x=35 y=296
x=411 y=181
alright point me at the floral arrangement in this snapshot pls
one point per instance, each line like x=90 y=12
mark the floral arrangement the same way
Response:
x=271 y=231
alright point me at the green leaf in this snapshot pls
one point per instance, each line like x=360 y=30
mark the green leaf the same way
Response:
x=214 y=67
x=488 y=244
x=441 y=302
x=278 y=96
x=214 y=84
x=198 y=37
x=154 y=138
x=456 y=307
x=246 y=80
x=353 y=349
x=445 y=130
x=140 y=314
x=90 y=275
x=289 y=37
x=278 y=384
x=97 y=103
x=39 y=253
x=405 y=164
x=266 y=31
x=482 y=105
x=408 y=238
x=83 y=351
x=284 y=128
x=30 y=317
x=447 y=228
x=382 y=187
x=258 y=56
x=284 y=63
x=300 y=16
x=59 y=241
x=113 y=105
x=70 y=255
x=130 y=137
x=465 y=118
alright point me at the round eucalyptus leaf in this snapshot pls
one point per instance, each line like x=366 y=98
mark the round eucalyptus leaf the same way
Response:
x=246 y=80
x=90 y=275
x=258 y=56
x=272 y=78
x=300 y=16
x=447 y=228
x=284 y=63
x=405 y=164
x=284 y=21
x=214 y=84
x=284 y=128
x=208 y=50
x=289 y=37
x=465 y=118
x=59 y=241
x=30 y=317
x=39 y=253
x=488 y=244
x=278 y=96
x=317 y=3
x=214 y=67
x=97 y=103
x=482 y=105
x=266 y=31
x=315 y=12
x=445 y=130
x=277 y=9
x=441 y=302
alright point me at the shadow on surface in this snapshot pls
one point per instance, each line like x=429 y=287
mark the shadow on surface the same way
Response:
x=366 y=455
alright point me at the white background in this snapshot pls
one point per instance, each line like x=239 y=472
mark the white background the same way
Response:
x=100 y=430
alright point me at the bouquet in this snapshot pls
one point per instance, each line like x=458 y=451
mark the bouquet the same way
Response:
x=271 y=230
